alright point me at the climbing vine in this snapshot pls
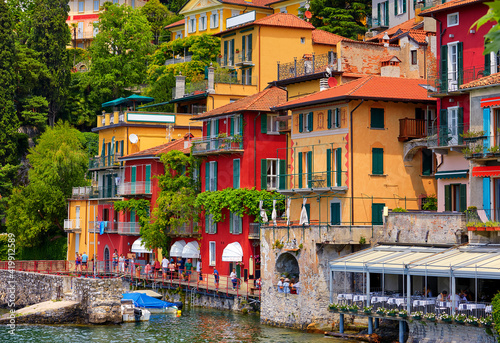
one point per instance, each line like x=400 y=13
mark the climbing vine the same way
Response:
x=242 y=201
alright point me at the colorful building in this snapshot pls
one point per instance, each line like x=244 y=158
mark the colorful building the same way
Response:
x=344 y=159
x=239 y=151
x=460 y=61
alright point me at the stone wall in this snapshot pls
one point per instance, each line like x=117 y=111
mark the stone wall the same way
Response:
x=424 y=332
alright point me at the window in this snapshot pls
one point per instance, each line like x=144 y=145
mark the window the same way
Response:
x=492 y=63
x=377 y=118
x=236 y=125
x=306 y=122
x=235 y=224
x=334 y=155
x=302 y=40
x=77 y=217
x=178 y=35
x=272 y=124
x=413 y=55
x=210 y=225
x=96 y=28
x=269 y=173
x=399 y=7
x=96 y=5
x=453 y=19
x=335 y=216
x=229 y=52
x=427 y=162
x=211 y=253
x=81 y=6
x=236 y=173
x=202 y=22
x=80 y=30
x=283 y=10
x=214 y=20
x=451 y=126
x=377 y=214
x=333 y=118
x=383 y=13
x=246 y=48
x=377 y=161
x=246 y=76
x=211 y=176
x=451 y=66
x=191 y=24
x=455 y=197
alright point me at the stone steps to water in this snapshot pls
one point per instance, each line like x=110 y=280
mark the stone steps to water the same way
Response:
x=47 y=312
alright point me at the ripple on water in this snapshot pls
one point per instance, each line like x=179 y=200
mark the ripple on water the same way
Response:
x=194 y=326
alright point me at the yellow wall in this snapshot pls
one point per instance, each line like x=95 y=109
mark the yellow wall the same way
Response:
x=401 y=179
x=292 y=6
x=88 y=212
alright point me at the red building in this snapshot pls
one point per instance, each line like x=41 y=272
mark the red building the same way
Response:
x=239 y=147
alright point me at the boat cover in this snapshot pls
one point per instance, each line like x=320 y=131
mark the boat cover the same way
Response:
x=145 y=301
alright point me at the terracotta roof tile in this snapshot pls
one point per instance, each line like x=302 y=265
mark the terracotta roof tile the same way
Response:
x=262 y=101
x=418 y=36
x=327 y=38
x=368 y=87
x=448 y=5
x=407 y=25
x=177 y=23
x=388 y=58
x=490 y=80
x=160 y=149
x=276 y=19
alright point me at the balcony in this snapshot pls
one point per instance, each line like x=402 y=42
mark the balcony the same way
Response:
x=309 y=64
x=450 y=82
x=208 y=146
x=410 y=128
x=94 y=192
x=129 y=228
x=135 y=188
x=110 y=118
x=187 y=58
x=374 y=23
x=234 y=79
x=481 y=148
x=226 y=61
x=109 y=227
x=254 y=231
x=446 y=136
x=244 y=58
x=104 y=162
x=72 y=225
x=81 y=192
x=312 y=182
x=188 y=229
x=284 y=123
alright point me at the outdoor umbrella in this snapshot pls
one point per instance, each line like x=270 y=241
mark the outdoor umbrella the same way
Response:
x=303 y=214
x=138 y=98
x=274 y=215
x=289 y=202
x=263 y=213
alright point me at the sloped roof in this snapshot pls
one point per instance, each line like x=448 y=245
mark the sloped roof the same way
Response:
x=407 y=25
x=177 y=23
x=389 y=58
x=368 y=87
x=253 y=3
x=159 y=149
x=447 y=6
x=276 y=19
x=418 y=36
x=490 y=80
x=327 y=38
x=262 y=101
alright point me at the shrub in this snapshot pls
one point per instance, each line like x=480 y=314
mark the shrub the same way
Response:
x=496 y=311
x=399 y=209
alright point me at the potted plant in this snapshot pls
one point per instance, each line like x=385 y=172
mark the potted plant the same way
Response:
x=237 y=50
x=417 y=315
x=492 y=226
x=445 y=317
x=333 y=307
x=430 y=317
x=344 y=308
x=495 y=150
x=467 y=152
x=381 y=311
x=459 y=318
x=472 y=320
x=392 y=313
x=403 y=313
x=486 y=321
x=472 y=135
x=353 y=308
x=367 y=309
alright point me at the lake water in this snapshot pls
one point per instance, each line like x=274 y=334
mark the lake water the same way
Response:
x=195 y=325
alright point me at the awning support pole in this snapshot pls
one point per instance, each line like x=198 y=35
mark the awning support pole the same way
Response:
x=368 y=289
x=453 y=293
x=408 y=291
x=341 y=323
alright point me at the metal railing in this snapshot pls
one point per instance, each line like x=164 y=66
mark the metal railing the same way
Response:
x=244 y=58
x=310 y=65
x=452 y=80
x=226 y=61
x=234 y=79
x=198 y=109
x=481 y=147
x=217 y=144
x=129 y=228
x=81 y=192
x=410 y=128
x=133 y=188
x=72 y=225
x=182 y=59
x=108 y=226
x=308 y=180
x=254 y=231
x=185 y=230
x=104 y=161
x=447 y=135
x=93 y=192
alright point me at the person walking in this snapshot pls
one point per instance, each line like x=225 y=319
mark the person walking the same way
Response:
x=234 y=279
x=84 y=260
x=198 y=269
x=216 y=277
x=164 y=265
x=188 y=266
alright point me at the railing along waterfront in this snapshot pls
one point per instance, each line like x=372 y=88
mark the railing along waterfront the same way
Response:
x=218 y=144
x=309 y=65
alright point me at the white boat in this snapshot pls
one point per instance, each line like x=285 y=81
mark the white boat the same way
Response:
x=132 y=314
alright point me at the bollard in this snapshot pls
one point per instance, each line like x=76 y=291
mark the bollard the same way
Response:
x=341 y=323
x=370 y=325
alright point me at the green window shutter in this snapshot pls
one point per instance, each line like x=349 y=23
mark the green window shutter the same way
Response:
x=282 y=174
x=395 y=7
x=249 y=71
x=329 y=120
x=249 y=48
x=240 y=123
x=147 y=186
x=377 y=161
x=339 y=166
x=216 y=124
x=443 y=127
x=232 y=50
x=263 y=123
x=337 y=117
x=225 y=52
x=301 y=122
x=328 y=167
x=386 y=19
x=377 y=118
x=379 y=13
x=207 y=176
x=426 y=162
x=240 y=225
x=215 y=176
x=133 y=174
x=444 y=68
x=309 y=169
x=263 y=174
x=308 y=210
x=463 y=197
x=335 y=213
x=236 y=173
x=310 y=122
x=231 y=219
x=460 y=129
x=209 y=124
x=447 y=197
x=121 y=148
x=377 y=214
x=487 y=64
x=231 y=126
x=460 y=61
x=206 y=222
x=300 y=170
x=404 y=6
x=243 y=47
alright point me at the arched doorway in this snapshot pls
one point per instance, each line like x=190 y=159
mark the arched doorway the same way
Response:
x=106 y=259
x=287 y=265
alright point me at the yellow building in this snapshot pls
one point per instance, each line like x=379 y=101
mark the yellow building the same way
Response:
x=121 y=133
x=346 y=154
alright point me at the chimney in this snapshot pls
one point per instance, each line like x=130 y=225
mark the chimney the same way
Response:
x=180 y=86
x=385 y=39
x=323 y=84
x=211 y=88
x=187 y=140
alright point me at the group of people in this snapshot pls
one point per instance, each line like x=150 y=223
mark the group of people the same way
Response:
x=285 y=285
x=81 y=261
x=182 y=268
x=460 y=297
x=120 y=263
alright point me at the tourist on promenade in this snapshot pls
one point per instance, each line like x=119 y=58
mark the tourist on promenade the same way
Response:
x=297 y=286
x=234 y=279
x=216 y=277
x=122 y=263
x=78 y=260
x=147 y=269
x=131 y=264
x=84 y=260
x=189 y=267
x=198 y=269
x=258 y=283
x=292 y=286
x=180 y=264
x=427 y=292
x=115 y=260
x=280 y=285
x=157 y=267
x=171 y=268
x=164 y=265
x=286 y=286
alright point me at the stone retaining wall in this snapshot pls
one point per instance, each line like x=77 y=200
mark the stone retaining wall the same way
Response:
x=424 y=332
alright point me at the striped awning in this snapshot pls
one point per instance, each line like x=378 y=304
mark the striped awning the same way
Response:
x=486 y=171
x=452 y=174
x=489 y=102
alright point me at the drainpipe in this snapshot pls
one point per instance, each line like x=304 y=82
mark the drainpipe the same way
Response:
x=352 y=162
x=255 y=150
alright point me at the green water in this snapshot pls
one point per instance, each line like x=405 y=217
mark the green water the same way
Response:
x=195 y=325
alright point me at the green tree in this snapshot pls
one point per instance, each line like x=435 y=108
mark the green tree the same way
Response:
x=495 y=303
x=119 y=52
x=342 y=17
x=492 y=38
x=50 y=35
x=157 y=15
x=36 y=212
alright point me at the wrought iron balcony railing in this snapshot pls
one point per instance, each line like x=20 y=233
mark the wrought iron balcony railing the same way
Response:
x=310 y=64
x=104 y=161
x=129 y=228
x=109 y=227
x=218 y=145
x=72 y=225
x=447 y=135
x=451 y=81
x=308 y=181
x=135 y=188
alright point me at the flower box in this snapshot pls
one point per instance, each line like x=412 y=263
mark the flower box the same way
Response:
x=431 y=319
x=381 y=313
x=459 y=321
x=391 y=314
x=367 y=311
x=417 y=317
x=446 y=320
x=402 y=315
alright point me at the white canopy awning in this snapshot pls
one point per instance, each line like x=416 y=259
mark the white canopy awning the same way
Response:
x=191 y=250
x=232 y=253
x=177 y=248
x=138 y=247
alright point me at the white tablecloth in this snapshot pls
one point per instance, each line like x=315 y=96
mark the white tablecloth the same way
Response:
x=396 y=301
x=345 y=296
x=471 y=307
x=379 y=299
x=423 y=302
x=359 y=298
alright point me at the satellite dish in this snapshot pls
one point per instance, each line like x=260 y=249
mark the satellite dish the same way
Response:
x=308 y=15
x=332 y=82
x=133 y=138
